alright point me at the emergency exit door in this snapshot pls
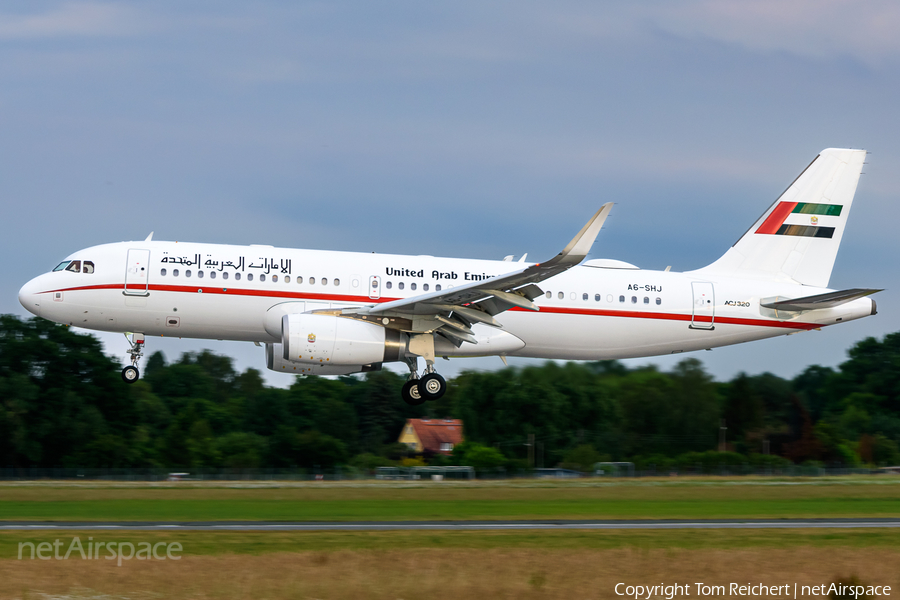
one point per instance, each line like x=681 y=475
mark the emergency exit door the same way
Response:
x=374 y=287
x=137 y=273
x=704 y=313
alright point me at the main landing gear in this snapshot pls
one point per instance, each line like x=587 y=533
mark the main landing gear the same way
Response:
x=430 y=386
x=130 y=374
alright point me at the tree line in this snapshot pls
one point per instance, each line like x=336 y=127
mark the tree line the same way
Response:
x=63 y=404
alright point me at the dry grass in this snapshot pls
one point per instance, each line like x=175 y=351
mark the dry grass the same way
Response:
x=435 y=573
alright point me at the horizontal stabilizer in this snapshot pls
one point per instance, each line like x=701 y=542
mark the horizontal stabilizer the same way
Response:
x=829 y=300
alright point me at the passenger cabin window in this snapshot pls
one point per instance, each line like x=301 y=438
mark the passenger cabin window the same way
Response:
x=312 y=281
x=212 y=274
x=74 y=266
x=299 y=280
x=200 y=275
x=621 y=298
x=187 y=272
x=61 y=266
x=658 y=301
x=249 y=276
x=262 y=277
x=162 y=272
x=174 y=272
x=646 y=300
x=388 y=285
x=400 y=285
x=425 y=286
x=596 y=297
x=549 y=295
x=287 y=278
x=412 y=286
x=225 y=275
x=237 y=276
x=437 y=288
x=561 y=295
x=87 y=267
x=584 y=296
x=634 y=299
x=324 y=281
x=275 y=278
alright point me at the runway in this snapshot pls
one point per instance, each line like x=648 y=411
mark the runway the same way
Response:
x=447 y=525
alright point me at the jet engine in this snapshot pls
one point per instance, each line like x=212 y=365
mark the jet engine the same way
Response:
x=275 y=361
x=330 y=340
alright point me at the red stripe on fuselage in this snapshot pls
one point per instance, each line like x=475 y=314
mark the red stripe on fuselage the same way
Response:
x=597 y=312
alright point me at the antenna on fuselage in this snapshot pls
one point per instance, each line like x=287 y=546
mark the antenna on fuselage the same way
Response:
x=149 y=237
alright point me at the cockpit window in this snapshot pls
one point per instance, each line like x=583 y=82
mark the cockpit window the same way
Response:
x=61 y=266
x=74 y=266
x=87 y=267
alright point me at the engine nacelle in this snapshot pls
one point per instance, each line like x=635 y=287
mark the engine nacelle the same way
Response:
x=275 y=361
x=329 y=340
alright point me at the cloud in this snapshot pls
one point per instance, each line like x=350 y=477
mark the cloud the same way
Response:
x=79 y=19
x=818 y=29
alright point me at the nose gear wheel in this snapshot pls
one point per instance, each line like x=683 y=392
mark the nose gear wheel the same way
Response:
x=131 y=374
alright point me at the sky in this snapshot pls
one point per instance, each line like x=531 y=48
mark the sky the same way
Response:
x=469 y=129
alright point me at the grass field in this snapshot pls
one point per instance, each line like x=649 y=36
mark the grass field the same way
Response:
x=628 y=499
x=451 y=564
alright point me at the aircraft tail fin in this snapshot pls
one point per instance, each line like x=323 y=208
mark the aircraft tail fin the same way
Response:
x=797 y=239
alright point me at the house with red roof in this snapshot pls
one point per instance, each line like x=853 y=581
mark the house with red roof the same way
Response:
x=437 y=436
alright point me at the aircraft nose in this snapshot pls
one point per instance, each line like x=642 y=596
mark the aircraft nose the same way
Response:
x=29 y=298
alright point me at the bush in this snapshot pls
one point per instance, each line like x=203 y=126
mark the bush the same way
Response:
x=769 y=461
x=711 y=462
x=582 y=458
x=653 y=462
x=369 y=462
x=478 y=456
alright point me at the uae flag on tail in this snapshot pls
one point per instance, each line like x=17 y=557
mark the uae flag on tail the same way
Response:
x=801 y=219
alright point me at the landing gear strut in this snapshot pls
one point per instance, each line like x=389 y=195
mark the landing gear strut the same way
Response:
x=410 y=392
x=130 y=374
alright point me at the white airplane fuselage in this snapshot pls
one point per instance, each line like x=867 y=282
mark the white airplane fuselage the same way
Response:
x=590 y=312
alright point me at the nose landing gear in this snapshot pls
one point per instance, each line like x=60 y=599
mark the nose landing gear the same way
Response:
x=130 y=374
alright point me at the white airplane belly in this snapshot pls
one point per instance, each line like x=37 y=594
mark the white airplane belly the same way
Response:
x=599 y=337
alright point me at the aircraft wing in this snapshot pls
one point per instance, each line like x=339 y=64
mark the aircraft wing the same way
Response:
x=828 y=300
x=452 y=311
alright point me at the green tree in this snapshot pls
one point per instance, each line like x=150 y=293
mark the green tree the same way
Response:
x=478 y=456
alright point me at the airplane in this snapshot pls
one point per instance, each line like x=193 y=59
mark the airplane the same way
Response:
x=336 y=313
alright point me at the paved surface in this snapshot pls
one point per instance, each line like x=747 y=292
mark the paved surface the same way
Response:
x=448 y=525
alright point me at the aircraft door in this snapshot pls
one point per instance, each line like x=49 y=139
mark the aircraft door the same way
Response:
x=704 y=312
x=137 y=273
x=374 y=287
